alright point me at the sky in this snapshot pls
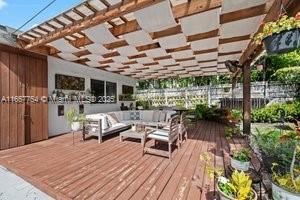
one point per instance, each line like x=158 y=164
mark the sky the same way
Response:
x=14 y=13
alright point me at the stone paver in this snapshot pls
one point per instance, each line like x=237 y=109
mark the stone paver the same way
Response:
x=12 y=187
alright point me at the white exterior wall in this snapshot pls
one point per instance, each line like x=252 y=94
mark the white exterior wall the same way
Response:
x=58 y=124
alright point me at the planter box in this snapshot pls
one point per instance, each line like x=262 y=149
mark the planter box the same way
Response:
x=280 y=193
x=243 y=166
x=283 y=42
x=223 y=196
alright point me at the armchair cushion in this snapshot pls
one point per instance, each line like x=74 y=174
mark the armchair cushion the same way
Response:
x=159 y=135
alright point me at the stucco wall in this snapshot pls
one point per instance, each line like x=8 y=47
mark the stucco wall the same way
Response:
x=58 y=124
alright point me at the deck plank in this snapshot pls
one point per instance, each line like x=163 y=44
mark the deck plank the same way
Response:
x=117 y=170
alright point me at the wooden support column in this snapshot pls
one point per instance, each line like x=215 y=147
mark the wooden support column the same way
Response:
x=246 y=98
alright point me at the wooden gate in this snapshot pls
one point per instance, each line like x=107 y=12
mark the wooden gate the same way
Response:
x=22 y=74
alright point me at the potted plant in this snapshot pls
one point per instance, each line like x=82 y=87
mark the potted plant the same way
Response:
x=240 y=160
x=75 y=119
x=238 y=187
x=281 y=36
x=287 y=185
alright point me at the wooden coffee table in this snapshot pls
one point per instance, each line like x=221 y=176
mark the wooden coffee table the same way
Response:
x=131 y=133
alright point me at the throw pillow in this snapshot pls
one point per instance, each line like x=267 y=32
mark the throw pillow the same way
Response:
x=112 y=119
x=135 y=115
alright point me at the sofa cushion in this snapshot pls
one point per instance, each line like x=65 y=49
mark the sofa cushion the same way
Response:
x=162 y=116
x=115 y=128
x=103 y=117
x=146 y=115
x=126 y=115
x=135 y=115
x=155 y=116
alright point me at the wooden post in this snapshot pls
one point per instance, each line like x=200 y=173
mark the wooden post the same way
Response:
x=246 y=98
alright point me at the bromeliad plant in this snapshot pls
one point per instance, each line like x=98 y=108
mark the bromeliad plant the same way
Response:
x=283 y=24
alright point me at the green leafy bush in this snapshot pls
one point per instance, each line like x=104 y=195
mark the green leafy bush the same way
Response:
x=203 y=112
x=288 y=75
x=232 y=131
x=271 y=113
x=143 y=103
x=277 y=146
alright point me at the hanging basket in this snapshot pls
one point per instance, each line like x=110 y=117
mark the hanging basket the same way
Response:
x=282 y=42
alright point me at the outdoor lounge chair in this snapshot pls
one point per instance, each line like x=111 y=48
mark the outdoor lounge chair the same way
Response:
x=161 y=135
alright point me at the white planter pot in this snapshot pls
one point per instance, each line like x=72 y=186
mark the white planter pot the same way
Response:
x=75 y=126
x=243 y=166
x=223 y=196
x=280 y=193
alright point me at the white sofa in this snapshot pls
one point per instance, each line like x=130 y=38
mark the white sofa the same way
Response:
x=102 y=124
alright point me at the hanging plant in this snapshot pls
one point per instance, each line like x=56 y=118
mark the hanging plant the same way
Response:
x=281 y=36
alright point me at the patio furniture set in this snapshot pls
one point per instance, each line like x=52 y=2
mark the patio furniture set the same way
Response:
x=160 y=126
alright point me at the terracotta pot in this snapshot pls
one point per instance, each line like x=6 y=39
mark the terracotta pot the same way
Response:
x=280 y=193
x=282 y=42
x=239 y=165
x=223 y=196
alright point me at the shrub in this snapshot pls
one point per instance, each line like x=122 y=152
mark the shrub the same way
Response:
x=277 y=147
x=288 y=75
x=231 y=131
x=202 y=111
x=271 y=113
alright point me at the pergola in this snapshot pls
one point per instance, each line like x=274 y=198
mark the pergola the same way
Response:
x=147 y=39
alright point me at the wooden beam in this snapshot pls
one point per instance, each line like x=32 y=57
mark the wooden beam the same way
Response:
x=229 y=53
x=90 y=21
x=201 y=36
x=234 y=39
x=187 y=47
x=170 y=31
x=244 y=13
x=247 y=98
x=185 y=59
x=179 y=11
x=205 y=51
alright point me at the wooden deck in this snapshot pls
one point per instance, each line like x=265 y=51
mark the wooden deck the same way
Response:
x=117 y=170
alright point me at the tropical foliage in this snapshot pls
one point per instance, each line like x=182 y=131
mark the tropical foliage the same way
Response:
x=272 y=113
x=237 y=187
x=288 y=75
x=277 y=146
x=183 y=82
x=281 y=155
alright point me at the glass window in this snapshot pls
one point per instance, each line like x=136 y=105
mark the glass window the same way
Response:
x=111 y=92
x=97 y=89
